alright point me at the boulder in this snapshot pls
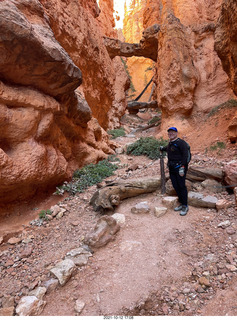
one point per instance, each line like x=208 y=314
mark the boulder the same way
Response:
x=170 y=202
x=235 y=193
x=212 y=185
x=30 y=306
x=119 y=217
x=79 y=306
x=39 y=292
x=141 y=207
x=104 y=232
x=230 y=170
x=79 y=256
x=160 y=211
x=7 y=312
x=63 y=270
x=199 y=200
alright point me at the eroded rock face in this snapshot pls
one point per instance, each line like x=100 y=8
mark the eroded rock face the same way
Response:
x=230 y=170
x=26 y=38
x=232 y=130
x=226 y=40
x=189 y=77
x=205 y=85
x=47 y=129
x=177 y=75
x=225 y=46
x=140 y=68
x=121 y=83
x=79 y=33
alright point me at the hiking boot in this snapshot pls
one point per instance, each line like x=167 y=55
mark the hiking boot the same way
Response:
x=184 y=211
x=179 y=208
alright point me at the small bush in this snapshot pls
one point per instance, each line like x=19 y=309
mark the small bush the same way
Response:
x=113 y=158
x=218 y=145
x=149 y=147
x=44 y=213
x=88 y=176
x=228 y=104
x=154 y=120
x=120 y=132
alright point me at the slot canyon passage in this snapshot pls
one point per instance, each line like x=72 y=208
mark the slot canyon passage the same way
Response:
x=76 y=92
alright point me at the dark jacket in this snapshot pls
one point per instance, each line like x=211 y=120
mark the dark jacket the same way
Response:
x=177 y=152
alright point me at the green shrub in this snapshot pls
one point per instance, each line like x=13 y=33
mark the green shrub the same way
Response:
x=228 y=104
x=44 y=213
x=154 y=119
x=148 y=146
x=113 y=158
x=88 y=176
x=218 y=145
x=120 y=132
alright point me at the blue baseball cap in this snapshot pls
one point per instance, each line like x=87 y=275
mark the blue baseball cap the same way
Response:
x=173 y=129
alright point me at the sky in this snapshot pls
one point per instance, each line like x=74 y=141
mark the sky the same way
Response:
x=119 y=6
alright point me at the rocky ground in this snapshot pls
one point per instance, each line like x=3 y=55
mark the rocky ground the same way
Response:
x=168 y=265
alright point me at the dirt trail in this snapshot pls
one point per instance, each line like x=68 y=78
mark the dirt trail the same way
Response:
x=146 y=254
x=153 y=267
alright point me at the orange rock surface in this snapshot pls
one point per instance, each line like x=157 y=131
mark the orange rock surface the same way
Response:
x=140 y=69
x=60 y=90
x=189 y=75
x=57 y=86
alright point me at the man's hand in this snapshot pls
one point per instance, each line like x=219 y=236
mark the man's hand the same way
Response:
x=181 y=171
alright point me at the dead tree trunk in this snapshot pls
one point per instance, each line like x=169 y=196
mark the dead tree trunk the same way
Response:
x=110 y=196
x=162 y=172
x=196 y=173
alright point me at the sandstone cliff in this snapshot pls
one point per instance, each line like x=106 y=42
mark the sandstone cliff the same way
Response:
x=57 y=86
x=225 y=45
x=140 y=69
x=190 y=79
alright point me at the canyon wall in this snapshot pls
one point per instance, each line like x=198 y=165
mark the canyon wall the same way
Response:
x=190 y=80
x=140 y=69
x=57 y=86
x=121 y=81
x=79 y=29
x=226 y=48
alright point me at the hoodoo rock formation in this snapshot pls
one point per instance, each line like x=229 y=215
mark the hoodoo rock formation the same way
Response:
x=194 y=41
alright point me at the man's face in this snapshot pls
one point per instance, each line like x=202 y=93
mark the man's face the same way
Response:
x=172 y=135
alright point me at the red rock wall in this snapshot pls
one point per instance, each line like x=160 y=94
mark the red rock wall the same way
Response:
x=226 y=40
x=138 y=66
x=190 y=78
x=79 y=34
x=226 y=48
x=121 y=82
x=56 y=78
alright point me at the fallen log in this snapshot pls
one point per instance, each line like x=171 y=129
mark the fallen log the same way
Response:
x=196 y=173
x=110 y=196
x=154 y=124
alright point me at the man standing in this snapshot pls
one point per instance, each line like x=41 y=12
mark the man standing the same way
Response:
x=177 y=151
